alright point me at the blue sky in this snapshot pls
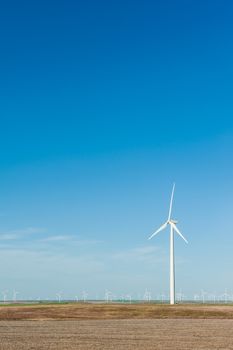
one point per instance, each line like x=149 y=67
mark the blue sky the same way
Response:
x=104 y=105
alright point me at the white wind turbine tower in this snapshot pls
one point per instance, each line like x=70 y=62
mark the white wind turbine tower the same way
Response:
x=173 y=228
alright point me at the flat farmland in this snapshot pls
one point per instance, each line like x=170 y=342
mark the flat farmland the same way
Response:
x=106 y=327
x=129 y=334
x=98 y=311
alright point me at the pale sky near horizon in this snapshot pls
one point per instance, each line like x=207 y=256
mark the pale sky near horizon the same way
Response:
x=103 y=106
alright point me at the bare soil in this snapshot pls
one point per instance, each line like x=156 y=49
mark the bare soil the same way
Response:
x=132 y=334
x=84 y=311
x=118 y=327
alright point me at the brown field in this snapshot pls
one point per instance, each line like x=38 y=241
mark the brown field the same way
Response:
x=112 y=326
x=89 y=311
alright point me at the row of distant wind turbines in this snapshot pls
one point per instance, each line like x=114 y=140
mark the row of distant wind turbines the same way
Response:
x=146 y=297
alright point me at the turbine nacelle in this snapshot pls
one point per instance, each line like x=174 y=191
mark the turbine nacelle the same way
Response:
x=172 y=221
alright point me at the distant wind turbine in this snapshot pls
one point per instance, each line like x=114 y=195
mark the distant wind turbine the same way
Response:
x=59 y=296
x=108 y=296
x=203 y=293
x=15 y=295
x=163 y=296
x=4 y=293
x=129 y=297
x=173 y=228
x=147 y=296
x=85 y=295
x=226 y=296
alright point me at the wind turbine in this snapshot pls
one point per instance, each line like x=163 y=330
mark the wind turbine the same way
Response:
x=147 y=296
x=203 y=293
x=4 y=293
x=129 y=298
x=85 y=295
x=15 y=295
x=107 y=296
x=173 y=228
x=59 y=296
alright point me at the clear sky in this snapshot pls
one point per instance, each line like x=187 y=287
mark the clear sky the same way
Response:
x=103 y=104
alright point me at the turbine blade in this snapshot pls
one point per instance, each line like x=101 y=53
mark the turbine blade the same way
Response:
x=160 y=229
x=179 y=233
x=171 y=202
